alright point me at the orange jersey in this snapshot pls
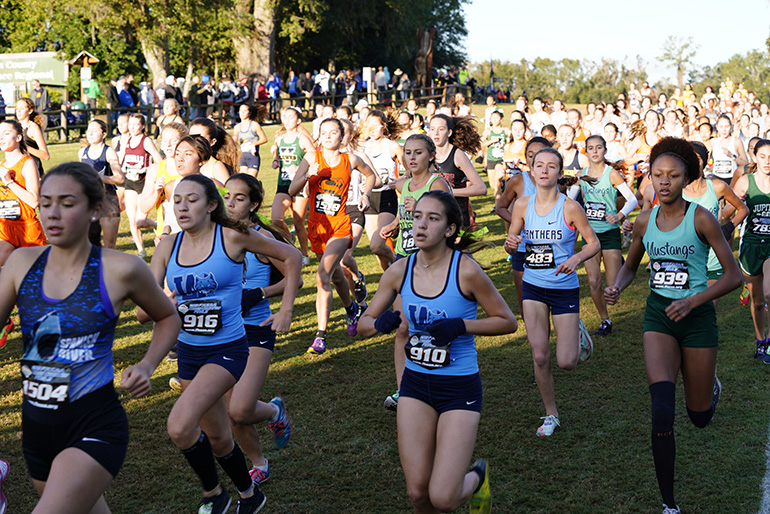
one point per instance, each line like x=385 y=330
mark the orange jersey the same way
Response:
x=328 y=190
x=11 y=208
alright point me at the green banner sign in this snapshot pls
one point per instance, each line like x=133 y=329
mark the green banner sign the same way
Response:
x=42 y=66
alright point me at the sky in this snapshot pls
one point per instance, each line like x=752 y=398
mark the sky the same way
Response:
x=510 y=30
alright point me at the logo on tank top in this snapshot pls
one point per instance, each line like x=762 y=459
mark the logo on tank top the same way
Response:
x=424 y=315
x=195 y=286
x=669 y=250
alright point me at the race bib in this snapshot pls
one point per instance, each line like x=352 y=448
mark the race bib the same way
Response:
x=669 y=275
x=539 y=256
x=761 y=226
x=327 y=203
x=595 y=211
x=246 y=147
x=497 y=153
x=10 y=209
x=287 y=173
x=723 y=168
x=407 y=240
x=46 y=384
x=201 y=317
x=421 y=350
x=570 y=173
x=134 y=174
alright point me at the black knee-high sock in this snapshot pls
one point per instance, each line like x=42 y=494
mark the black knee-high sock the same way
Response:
x=663 y=446
x=202 y=461
x=234 y=465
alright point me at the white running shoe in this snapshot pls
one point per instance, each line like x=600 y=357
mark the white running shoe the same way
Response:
x=549 y=425
x=670 y=510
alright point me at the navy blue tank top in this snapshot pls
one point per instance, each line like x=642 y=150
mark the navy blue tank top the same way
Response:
x=67 y=342
x=101 y=166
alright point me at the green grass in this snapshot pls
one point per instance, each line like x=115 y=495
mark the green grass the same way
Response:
x=343 y=456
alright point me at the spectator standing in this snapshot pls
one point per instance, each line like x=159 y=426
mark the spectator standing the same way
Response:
x=93 y=93
x=293 y=87
x=381 y=83
x=194 y=97
x=226 y=94
x=322 y=79
x=2 y=106
x=39 y=95
x=123 y=95
x=113 y=102
x=273 y=87
x=132 y=89
x=306 y=87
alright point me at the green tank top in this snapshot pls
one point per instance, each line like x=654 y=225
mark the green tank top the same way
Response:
x=757 y=227
x=405 y=241
x=600 y=200
x=495 y=150
x=710 y=201
x=677 y=258
x=290 y=155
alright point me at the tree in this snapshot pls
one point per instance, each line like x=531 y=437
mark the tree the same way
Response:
x=678 y=52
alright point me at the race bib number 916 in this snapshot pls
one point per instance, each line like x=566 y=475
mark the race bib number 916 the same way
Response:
x=201 y=317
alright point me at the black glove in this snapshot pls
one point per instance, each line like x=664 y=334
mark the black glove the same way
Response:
x=388 y=321
x=250 y=298
x=444 y=331
x=727 y=229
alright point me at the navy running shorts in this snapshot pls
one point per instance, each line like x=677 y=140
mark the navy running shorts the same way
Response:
x=260 y=337
x=443 y=392
x=561 y=301
x=231 y=356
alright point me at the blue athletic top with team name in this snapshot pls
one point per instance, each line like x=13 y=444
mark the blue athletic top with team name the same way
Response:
x=449 y=303
x=256 y=274
x=67 y=342
x=600 y=200
x=529 y=190
x=677 y=257
x=711 y=202
x=548 y=241
x=208 y=295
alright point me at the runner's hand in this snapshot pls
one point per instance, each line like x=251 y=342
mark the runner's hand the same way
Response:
x=136 y=381
x=611 y=295
x=679 y=309
x=568 y=267
x=444 y=331
x=388 y=321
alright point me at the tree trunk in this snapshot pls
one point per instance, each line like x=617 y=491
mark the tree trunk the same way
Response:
x=156 y=56
x=255 y=47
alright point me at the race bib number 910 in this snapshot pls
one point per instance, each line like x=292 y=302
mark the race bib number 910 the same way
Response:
x=669 y=275
x=421 y=350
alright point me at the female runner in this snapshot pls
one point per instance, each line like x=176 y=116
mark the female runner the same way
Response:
x=32 y=123
x=727 y=151
x=494 y=141
x=517 y=187
x=292 y=145
x=69 y=304
x=19 y=224
x=680 y=330
x=546 y=224
x=600 y=193
x=440 y=399
x=327 y=172
x=644 y=135
x=250 y=136
x=203 y=265
x=243 y=199
x=450 y=135
x=136 y=159
x=225 y=154
x=753 y=253
x=104 y=160
x=170 y=115
x=420 y=155
x=384 y=153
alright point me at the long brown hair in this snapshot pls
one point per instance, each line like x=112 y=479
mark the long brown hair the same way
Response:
x=219 y=214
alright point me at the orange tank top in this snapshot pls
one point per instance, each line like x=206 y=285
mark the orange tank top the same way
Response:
x=11 y=208
x=329 y=188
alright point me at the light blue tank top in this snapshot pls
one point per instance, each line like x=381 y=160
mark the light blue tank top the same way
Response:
x=529 y=190
x=548 y=241
x=208 y=295
x=677 y=258
x=256 y=274
x=711 y=202
x=600 y=200
x=449 y=303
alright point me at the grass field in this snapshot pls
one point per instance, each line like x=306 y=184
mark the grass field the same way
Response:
x=343 y=456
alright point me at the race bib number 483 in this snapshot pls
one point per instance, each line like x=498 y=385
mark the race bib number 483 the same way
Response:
x=669 y=275
x=539 y=256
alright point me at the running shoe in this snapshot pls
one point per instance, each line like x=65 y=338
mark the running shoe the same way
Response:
x=481 y=500
x=7 y=329
x=175 y=384
x=5 y=468
x=282 y=426
x=586 y=343
x=761 y=350
x=625 y=239
x=305 y=260
x=318 y=346
x=352 y=321
x=549 y=425
x=509 y=258
x=766 y=358
x=671 y=510
x=716 y=394
x=258 y=476
x=215 y=504
x=141 y=254
x=171 y=356
x=605 y=328
x=253 y=504
x=745 y=297
x=360 y=288
x=391 y=402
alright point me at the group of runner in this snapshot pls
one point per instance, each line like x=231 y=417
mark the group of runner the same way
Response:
x=408 y=180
